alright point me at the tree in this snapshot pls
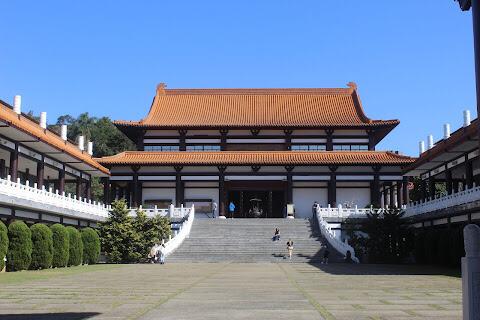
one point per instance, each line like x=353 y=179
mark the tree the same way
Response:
x=42 y=250
x=75 y=247
x=91 y=245
x=61 y=245
x=388 y=240
x=19 y=255
x=3 y=244
x=118 y=236
x=127 y=239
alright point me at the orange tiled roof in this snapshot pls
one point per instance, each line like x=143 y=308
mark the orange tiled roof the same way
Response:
x=256 y=108
x=256 y=158
x=31 y=127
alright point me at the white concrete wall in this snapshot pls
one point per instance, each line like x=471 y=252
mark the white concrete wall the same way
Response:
x=158 y=193
x=303 y=198
x=355 y=196
x=202 y=193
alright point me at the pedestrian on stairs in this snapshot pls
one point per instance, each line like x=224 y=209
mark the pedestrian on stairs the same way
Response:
x=231 y=208
x=276 y=235
x=214 y=209
x=290 y=248
x=326 y=253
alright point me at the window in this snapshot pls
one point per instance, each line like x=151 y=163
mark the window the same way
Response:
x=311 y=147
x=348 y=147
x=161 y=148
x=203 y=148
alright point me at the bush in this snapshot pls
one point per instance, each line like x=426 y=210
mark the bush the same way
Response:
x=91 y=245
x=3 y=244
x=19 y=254
x=42 y=246
x=61 y=246
x=75 y=248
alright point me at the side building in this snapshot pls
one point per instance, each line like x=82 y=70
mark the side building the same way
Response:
x=268 y=147
x=43 y=176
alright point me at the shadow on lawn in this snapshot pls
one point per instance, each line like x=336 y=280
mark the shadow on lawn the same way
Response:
x=49 y=316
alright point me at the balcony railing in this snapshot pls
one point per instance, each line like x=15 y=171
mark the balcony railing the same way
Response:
x=30 y=197
x=443 y=202
x=172 y=212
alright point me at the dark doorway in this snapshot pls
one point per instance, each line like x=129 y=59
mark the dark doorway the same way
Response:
x=257 y=204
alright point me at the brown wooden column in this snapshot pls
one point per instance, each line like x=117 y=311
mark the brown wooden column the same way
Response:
x=13 y=171
x=371 y=140
x=391 y=195
x=183 y=135
x=78 y=188
x=468 y=173
x=385 y=195
x=140 y=140
x=40 y=173
x=288 y=139
x=289 y=184
x=406 y=197
x=223 y=139
x=135 y=188
x=375 y=196
x=329 y=133
x=431 y=187
x=106 y=190
x=332 y=187
x=88 y=189
x=221 y=190
x=61 y=181
x=179 y=192
x=240 y=205
x=2 y=168
x=448 y=181
x=399 y=193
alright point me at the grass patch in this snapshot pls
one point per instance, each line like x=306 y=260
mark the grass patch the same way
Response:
x=34 y=275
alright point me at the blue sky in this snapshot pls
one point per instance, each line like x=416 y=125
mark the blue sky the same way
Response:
x=411 y=59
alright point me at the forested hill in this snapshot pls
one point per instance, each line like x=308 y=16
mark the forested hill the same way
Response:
x=107 y=139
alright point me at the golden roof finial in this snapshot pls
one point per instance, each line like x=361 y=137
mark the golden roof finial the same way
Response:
x=161 y=88
x=352 y=85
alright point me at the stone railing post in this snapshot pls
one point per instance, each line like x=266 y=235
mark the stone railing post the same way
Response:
x=471 y=273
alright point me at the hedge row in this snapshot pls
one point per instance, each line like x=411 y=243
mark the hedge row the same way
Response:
x=439 y=246
x=42 y=247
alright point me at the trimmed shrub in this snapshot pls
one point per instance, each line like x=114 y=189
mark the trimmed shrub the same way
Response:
x=91 y=245
x=3 y=244
x=61 y=246
x=76 y=247
x=19 y=255
x=42 y=250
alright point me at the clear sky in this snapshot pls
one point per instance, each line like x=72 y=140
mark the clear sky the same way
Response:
x=411 y=59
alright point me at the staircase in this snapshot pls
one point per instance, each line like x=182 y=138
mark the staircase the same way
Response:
x=250 y=240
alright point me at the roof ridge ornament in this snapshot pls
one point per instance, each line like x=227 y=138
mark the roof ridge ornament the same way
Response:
x=352 y=85
x=161 y=88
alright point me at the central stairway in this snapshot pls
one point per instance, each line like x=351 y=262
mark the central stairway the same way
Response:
x=250 y=240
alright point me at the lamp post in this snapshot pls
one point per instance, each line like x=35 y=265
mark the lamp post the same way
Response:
x=466 y=5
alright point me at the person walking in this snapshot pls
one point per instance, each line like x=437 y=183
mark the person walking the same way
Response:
x=326 y=253
x=162 y=253
x=276 y=235
x=214 y=209
x=231 y=208
x=152 y=255
x=314 y=209
x=290 y=248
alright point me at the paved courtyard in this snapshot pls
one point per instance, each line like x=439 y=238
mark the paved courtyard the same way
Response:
x=231 y=291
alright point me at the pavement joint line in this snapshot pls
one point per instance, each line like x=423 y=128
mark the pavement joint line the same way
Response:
x=177 y=292
x=320 y=309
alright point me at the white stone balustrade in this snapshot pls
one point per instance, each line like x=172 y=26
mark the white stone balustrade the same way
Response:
x=171 y=212
x=329 y=235
x=344 y=213
x=443 y=202
x=42 y=200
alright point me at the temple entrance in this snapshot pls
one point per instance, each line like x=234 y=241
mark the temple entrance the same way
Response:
x=256 y=200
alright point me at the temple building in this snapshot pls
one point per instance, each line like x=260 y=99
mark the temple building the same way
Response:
x=36 y=167
x=271 y=146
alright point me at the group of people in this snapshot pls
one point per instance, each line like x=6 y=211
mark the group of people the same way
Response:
x=276 y=237
x=157 y=254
